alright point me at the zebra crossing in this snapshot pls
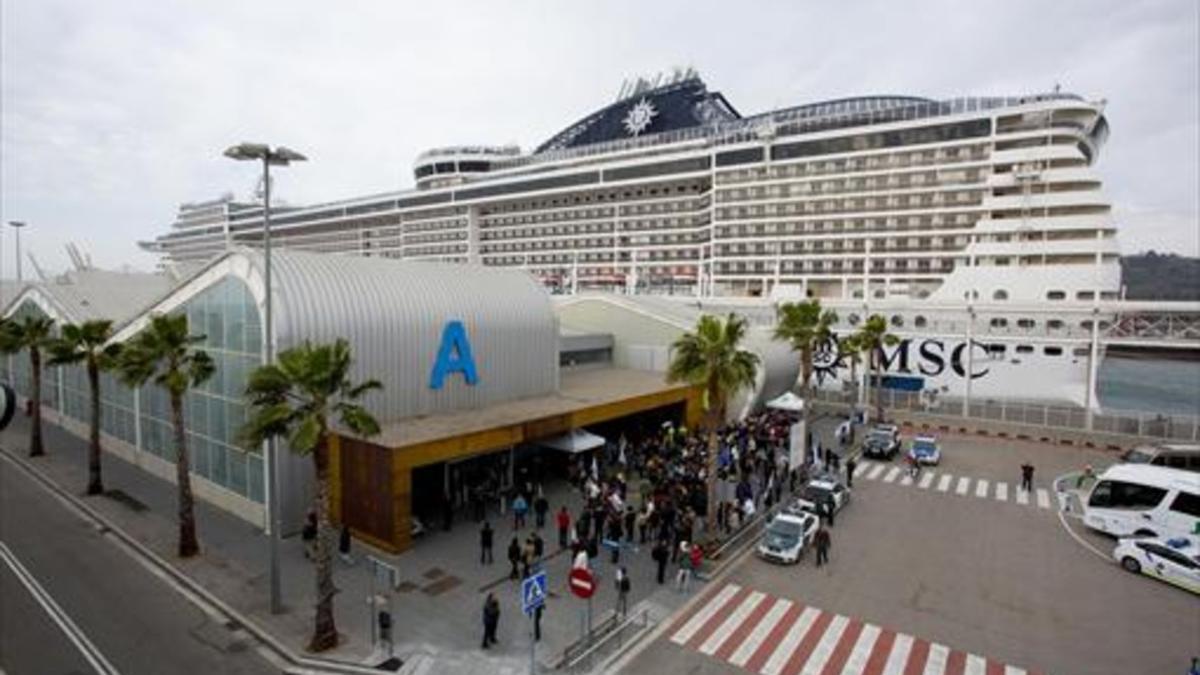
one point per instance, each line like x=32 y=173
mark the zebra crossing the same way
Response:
x=772 y=635
x=964 y=486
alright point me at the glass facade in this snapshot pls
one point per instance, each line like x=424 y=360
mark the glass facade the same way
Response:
x=225 y=313
x=20 y=377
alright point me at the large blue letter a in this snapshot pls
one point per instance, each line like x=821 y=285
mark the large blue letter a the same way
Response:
x=454 y=356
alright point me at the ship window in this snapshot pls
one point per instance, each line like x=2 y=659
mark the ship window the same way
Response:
x=1054 y=324
x=1079 y=351
x=919 y=322
x=444 y=167
x=998 y=322
x=1085 y=295
x=996 y=349
x=1052 y=351
x=897 y=320
x=1056 y=295
x=1026 y=323
x=852 y=319
x=1000 y=295
x=1024 y=349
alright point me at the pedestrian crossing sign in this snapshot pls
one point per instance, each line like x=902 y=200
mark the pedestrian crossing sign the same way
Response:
x=533 y=592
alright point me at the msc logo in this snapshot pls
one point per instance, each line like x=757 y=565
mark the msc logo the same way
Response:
x=454 y=356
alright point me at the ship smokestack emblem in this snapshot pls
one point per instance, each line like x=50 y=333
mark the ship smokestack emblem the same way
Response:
x=639 y=117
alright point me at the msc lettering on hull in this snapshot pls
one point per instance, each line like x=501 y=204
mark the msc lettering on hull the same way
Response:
x=454 y=356
x=930 y=357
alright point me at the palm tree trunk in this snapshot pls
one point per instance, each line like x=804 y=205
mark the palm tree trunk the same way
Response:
x=324 y=630
x=95 y=481
x=710 y=513
x=36 y=448
x=188 y=546
x=877 y=377
x=806 y=369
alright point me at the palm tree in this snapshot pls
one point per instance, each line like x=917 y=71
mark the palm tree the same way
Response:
x=30 y=333
x=296 y=398
x=88 y=343
x=806 y=327
x=711 y=358
x=872 y=338
x=848 y=347
x=166 y=352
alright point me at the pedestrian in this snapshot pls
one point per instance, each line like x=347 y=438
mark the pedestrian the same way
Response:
x=685 y=568
x=539 y=546
x=623 y=588
x=696 y=554
x=829 y=507
x=659 y=554
x=822 y=541
x=520 y=507
x=630 y=519
x=514 y=557
x=1195 y=669
x=485 y=544
x=344 y=545
x=851 y=465
x=308 y=534
x=1027 y=477
x=540 y=507
x=564 y=524
x=491 y=619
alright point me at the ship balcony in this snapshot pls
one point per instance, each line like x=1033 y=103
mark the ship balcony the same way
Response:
x=1039 y=153
x=1043 y=176
x=1038 y=246
x=1093 y=198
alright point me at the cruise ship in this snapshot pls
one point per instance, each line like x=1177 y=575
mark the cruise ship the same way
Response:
x=900 y=204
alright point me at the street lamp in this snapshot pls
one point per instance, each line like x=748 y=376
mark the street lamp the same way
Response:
x=17 y=225
x=280 y=156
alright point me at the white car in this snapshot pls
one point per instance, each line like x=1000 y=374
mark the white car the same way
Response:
x=786 y=536
x=925 y=449
x=1174 y=560
x=819 y=491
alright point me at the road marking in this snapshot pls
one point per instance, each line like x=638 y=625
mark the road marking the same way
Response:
x=944 y=483
x=857 y=662
x=1013 y=670
x=936 y=663
x=760 y=632
x=1022 y=497
x=976 y=665
x=824 y=649
x=69 y=628
x=861 y=469
x=1001 y=492
x=963 y=484
x=875 y=471
x=926 y=481
x=714 y=641
x=891 y=475
x=899 y=656
x=981 y=488
x=704 y=614
x=907 y=480
x=1043 y=498
x=788 y=644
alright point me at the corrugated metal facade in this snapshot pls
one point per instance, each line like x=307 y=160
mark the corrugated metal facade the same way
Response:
x=393 y=314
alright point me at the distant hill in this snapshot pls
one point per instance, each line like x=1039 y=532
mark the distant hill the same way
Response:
x=1160 y=276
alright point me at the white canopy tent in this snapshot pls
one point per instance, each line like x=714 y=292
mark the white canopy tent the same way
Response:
x=788 y=402
x=574 y=442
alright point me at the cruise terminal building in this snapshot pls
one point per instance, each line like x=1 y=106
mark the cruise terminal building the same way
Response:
x=481 y=370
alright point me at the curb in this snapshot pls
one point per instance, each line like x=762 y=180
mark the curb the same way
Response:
x=194 y=591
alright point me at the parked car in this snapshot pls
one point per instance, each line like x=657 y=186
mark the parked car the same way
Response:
x=925 y=450
x=1174 y=560
x=786 y=537
x=818 y=491
x=1184 y=456
x=882 y=442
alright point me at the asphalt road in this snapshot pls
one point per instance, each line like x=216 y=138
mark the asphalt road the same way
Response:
x=976 y=582
x=136 y=622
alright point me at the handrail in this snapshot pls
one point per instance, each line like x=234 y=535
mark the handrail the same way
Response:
x=643 y=615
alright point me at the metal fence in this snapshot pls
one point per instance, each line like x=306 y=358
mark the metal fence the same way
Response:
x=1151 y=426
x=610 y=642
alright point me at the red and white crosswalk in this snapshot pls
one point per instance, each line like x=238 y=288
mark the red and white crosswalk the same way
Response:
x=776 y=636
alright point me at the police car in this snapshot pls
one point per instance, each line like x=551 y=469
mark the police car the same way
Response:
x=786 y=536
x=819 y=491
x=882 y=442
x=1175 y=560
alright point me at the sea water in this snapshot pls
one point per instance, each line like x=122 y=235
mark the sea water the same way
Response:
x=1150 y=385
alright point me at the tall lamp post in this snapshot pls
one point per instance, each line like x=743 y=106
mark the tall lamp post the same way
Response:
x=278 y=156
x=17 y=225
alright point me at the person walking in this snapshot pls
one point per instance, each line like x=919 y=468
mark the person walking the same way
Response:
x=1027 y=477
x=514 y=557
x=540 y=507
x=485 y=544
x=659 y=554
x=851 y=465
x=822 y=541
x=685 y=568
x=491 y=619
x=564 y=525
x=520 y=508
x=630 y=520
x=623 y=588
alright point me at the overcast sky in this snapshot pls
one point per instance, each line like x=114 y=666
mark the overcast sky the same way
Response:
x=115 y=112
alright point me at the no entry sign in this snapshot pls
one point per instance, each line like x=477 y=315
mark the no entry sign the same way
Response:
x=582 y=583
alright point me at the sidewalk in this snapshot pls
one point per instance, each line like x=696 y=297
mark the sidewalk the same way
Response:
x=438 y=601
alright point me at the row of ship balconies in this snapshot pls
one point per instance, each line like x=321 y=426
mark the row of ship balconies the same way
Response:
x=970 y=152
x=942 y=178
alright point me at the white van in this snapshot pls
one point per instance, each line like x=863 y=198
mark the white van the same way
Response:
x=1174 y=455
x=1143 y=500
